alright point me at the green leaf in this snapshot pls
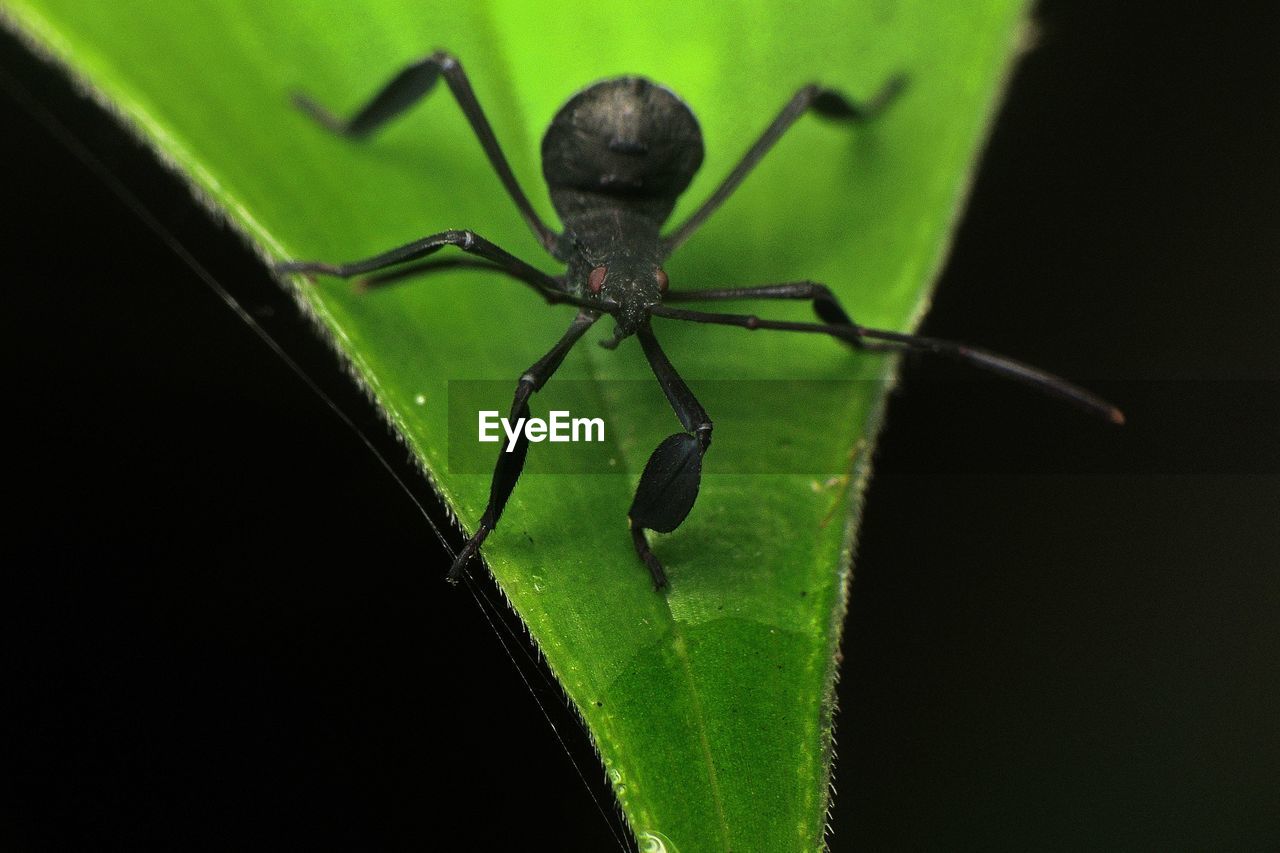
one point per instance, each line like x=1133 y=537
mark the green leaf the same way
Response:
x=711 y=706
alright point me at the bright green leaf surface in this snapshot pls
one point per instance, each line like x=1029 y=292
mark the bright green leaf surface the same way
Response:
x=711 y=705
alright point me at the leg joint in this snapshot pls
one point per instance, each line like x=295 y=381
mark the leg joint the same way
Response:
x=807 y=93
x=703 y=433
x=445 y=60
x=525 y=389
x=820 y=291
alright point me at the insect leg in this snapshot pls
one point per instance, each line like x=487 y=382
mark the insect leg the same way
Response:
x=860 y=335
x=825 y=304
x=510 y=464
x=825 y=102
x=669 y=485
x=468 y=241
x=408 y=87
x=444 y=265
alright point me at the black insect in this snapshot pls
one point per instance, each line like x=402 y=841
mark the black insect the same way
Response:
x=616 y=157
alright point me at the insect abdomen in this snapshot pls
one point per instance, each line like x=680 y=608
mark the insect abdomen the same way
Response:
x=625 y=141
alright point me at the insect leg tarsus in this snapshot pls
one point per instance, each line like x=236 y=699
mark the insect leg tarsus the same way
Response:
x=413 y=83
x=669 y=484
x=825 y=102
x=833 y=104
x=511 y=463
x=401 y=92
x=651 y=562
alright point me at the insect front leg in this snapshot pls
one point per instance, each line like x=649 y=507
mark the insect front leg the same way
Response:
x=511 y=463
x=414 y=83
x=669 y=484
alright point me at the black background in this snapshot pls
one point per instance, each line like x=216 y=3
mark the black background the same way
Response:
x=1061 y=636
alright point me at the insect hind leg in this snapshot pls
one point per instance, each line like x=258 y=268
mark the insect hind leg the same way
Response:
x=413 y=83
x=828 y=103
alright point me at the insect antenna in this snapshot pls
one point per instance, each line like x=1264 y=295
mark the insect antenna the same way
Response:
x=1003 y=366
x=1018 y=371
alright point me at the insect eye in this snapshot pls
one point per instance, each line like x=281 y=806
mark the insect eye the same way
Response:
x=661 y=275
x=595 y=281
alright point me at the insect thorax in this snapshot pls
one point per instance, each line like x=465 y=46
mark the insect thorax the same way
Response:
x=622 y=143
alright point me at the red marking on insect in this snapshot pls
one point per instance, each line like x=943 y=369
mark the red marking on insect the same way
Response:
x=661 y=275
x=595 y=281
